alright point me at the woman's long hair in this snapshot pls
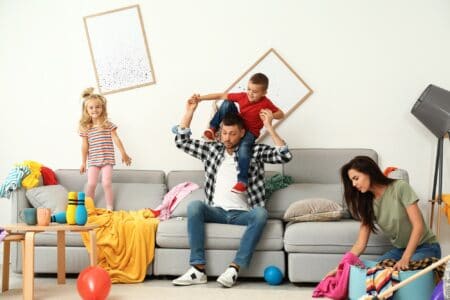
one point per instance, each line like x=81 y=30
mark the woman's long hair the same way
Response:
x=361 y=204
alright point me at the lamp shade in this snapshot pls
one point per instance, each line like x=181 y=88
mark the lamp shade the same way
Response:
x=433 y=110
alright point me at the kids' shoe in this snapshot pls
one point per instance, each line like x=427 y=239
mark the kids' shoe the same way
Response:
x=228 y=278
x=192 y=276
x=209 y=134
x=239 y=188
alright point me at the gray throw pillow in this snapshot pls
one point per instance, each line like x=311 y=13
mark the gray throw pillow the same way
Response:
x=314 y=209
x=49 y=196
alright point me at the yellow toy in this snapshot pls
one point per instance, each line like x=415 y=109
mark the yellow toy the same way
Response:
x=446 y=207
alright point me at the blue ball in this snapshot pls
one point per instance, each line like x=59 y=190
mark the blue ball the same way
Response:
x=273 y=275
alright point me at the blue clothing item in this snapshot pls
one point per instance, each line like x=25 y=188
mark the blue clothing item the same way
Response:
x=244 y=154
x=423 y=251
x=245 y=148
x=176 y=129
x=14 y=180
x=227 y=106
x=200 y=213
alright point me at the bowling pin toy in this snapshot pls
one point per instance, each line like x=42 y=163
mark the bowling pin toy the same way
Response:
x=81 y=212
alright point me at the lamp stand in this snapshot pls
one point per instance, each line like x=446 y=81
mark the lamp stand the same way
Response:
x=437 y=184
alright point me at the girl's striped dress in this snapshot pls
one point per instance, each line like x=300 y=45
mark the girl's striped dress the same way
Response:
x=101 y=146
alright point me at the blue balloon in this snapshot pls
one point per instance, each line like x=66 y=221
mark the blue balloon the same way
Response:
x=438 y=292
x=273 y=275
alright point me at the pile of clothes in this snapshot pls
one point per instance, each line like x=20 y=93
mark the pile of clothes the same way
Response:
x=27 y=174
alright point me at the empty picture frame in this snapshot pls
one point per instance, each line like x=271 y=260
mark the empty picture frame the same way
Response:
x=286 y=89
x=119 y=49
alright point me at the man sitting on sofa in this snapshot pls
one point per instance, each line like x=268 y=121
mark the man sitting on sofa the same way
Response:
x=224 y=206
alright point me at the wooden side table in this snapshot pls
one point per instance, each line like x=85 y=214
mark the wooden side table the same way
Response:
x=28 y=231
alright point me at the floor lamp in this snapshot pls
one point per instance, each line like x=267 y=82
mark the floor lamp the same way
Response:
x=433 y=110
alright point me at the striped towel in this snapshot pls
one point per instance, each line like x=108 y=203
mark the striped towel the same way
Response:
x=379 y=279
x=13 y=181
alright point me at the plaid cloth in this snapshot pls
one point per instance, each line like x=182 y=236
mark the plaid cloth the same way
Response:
x=417 y=265
x=212 y=155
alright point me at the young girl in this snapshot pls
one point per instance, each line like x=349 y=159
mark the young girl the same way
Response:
x=98 y=135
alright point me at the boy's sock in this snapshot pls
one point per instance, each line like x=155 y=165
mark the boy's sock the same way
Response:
x=199 y=269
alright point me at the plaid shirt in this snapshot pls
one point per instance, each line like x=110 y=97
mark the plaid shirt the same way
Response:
x=212 y=155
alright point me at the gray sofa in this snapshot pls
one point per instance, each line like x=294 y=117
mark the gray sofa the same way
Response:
x=304 y=251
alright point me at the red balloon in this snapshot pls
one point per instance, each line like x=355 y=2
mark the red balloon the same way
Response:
x=93 y=283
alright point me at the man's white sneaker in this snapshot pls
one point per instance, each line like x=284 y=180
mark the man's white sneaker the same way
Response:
x=192 y=276
x=228 y=278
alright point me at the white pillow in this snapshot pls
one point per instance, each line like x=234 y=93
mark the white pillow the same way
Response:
x=49 y=196
x=314 y=209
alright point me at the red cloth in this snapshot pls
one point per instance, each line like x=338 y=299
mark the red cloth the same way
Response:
x=336 y=286
x=48 y=176
x=389 y=170
x=249 y=111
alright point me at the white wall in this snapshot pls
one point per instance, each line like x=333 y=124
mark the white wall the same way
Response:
x=367 y=62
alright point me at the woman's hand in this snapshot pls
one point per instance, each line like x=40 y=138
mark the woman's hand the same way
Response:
x=332 y=272
x=402 y=264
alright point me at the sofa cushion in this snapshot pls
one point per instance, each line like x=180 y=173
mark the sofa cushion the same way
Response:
x=132 y=196
x=181 y=208
x=283 y=198
x=321 y=165
x=72 y=180
x=50 y=196
x=177 y=177
x=173 y=234
x=333 y=237
x=313 y=209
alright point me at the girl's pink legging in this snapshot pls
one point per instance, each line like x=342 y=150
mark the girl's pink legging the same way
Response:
x=92 y=175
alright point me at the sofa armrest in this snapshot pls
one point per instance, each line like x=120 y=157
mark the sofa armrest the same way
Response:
x=18 y=202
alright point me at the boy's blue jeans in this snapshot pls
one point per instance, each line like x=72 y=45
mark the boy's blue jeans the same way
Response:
x=245 y=149
x=199 y=213
x=422 y=251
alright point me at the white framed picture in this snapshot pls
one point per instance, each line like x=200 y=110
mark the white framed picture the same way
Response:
x=286 y=90
x=119 y=49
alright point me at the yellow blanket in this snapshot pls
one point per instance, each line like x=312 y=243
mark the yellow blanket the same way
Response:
x=125 y=241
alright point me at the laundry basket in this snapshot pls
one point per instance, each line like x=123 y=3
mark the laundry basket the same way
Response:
x=420 y=289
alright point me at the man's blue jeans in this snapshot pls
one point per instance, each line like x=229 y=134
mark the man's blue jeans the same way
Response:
x=200 y=213
x=245 y=149
x=423 y=251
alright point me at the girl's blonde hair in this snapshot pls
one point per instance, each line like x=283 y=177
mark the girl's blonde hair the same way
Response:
x=86 y=120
